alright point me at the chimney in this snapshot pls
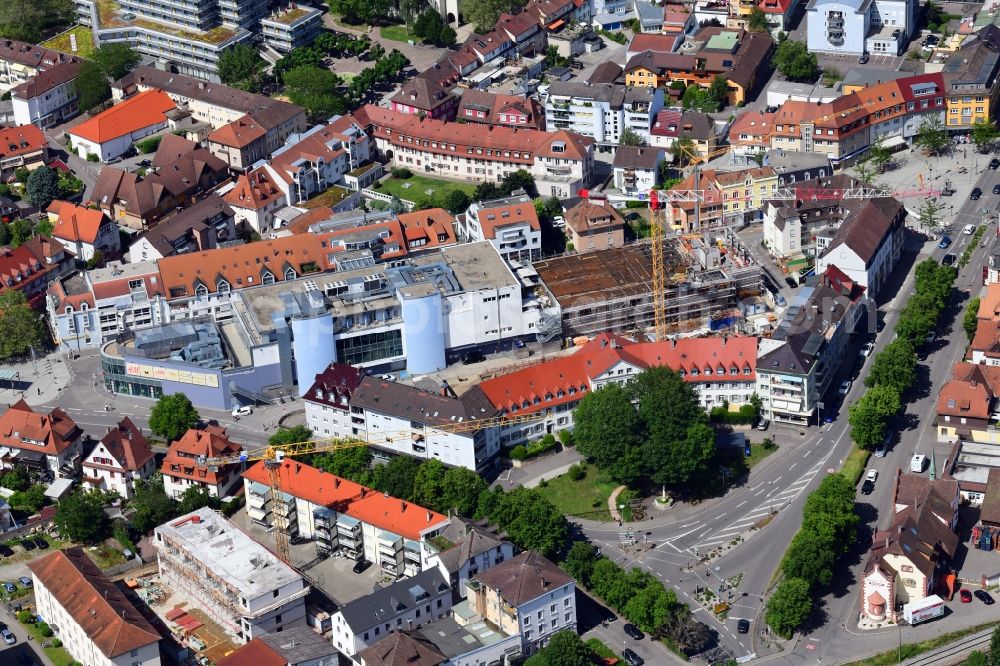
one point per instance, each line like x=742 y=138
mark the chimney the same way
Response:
x=336 y=483
x=402 y=505
x=298 y=466
x=429 y=515
x=201 y=85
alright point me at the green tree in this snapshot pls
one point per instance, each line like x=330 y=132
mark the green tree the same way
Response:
x=794 y=60
x=698 y=99
x=315 y=88
x=299 y=433
x=606 y=429
x=894 y=366
x=16 y=479
x=20 y=327
x=409 y=10
x=197 y=497
x=397 y=477
x=530 y=520
x=969 y=322
x=116 y=59
x=431 y=28
x=564 y=649
x=869 y=415
x=630 y=138
x=928 y=214
x=242 y=67
x=92 y=86
x=42 y=187
x=718 y=92
x=361 y=11
x=580 y=561
x=428 y=485
x=879 y=154
x=519 y=180
x=811 y=557
x=30 y=500
x=995 y=647
x=172 y=416
x=789 y=607
x=683 y=150
x=44 y=228
x=21 y=231
x=352 y=463
x=150 y=505
x=461 y=489
x=32 y=20
x=396 y=205
x=757 y=20
x=81 y=517
x=977 y=658
x=984 y=134
x=484 y=13
x=456 y=201
x=932 y=136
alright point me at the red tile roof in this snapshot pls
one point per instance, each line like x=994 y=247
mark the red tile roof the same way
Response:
x=17 y=266
x=193 y=444
x=434 y=226
x=253 y=190
x=23 y=428
x=365 y=504
x=127 y=445
x=497 y=217
x=238 y=134
x=21 y=140
x=76 y=223
x=256 y=652
x=145 y=109
x=970 y=391
x=652 y=42
x=326 y=144
x=104 y=614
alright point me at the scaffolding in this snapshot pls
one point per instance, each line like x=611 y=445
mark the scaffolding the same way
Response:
x=185 y=572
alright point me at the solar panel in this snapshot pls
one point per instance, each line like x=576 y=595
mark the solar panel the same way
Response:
x=812 y=345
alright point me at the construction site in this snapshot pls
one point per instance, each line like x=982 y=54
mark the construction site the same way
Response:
x=708 y=280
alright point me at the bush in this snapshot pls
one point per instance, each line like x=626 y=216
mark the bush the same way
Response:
x=746 y=415
x=147 y=146
x=576 y=472
x=91 y=157
x=56 y=643
x=45 y=630
x=25 y=617
x=518 y=452
x=401 y=172
x=566 y=438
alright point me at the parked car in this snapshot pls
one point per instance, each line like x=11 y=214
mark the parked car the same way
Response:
x=872 y=475
x=473 y=357
x=994 y=164
x=6 y=550
x=867 y=349
x=633 y=632
x=917 y=462
x=969 y=229
x=242 y=410
x=10 y=588
x=763 y=424
x=24 y=581
x=965 y=596
x=867 y=487
x=41 y=543
x=8 y=637
x=360 y=566
x=387 y=377
x=791 y=283
x=27 y=545
x=944 y=242
x=975 y=194
x=883 y=448
x=984 y=596
x=996 y=189
x=864 y=58
x=128 y=554
x=743 y=626
x=845 y=387
x=948 y=259
x=632 y=658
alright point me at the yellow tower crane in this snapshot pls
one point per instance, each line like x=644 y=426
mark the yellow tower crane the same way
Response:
x=274 y=455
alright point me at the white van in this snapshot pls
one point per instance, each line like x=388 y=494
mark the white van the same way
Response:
x=917 y=463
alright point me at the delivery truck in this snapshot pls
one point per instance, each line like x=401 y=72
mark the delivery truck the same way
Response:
x=926 y=609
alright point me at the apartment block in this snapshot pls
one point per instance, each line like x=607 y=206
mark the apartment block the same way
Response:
x=637 y=168
x=971 y=80
x=20 y=61
x=97 y=624
x=462 y=549
x=291 y=26
x=328 y=401
x=239 y=583
x=511 y=224
x=593 y=224
x=602 y=111
x=49 y=97
x=23 y=146
x=857 y=26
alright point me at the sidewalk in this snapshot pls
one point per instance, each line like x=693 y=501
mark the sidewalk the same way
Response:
x=38 y=382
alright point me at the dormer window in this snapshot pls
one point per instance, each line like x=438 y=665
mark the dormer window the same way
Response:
x=289 y=274
x=222 y=286
x=267 y=277
x=201 y=290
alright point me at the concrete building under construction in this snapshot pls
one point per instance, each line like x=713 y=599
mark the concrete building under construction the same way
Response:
x=238 y=582
x=611 y=290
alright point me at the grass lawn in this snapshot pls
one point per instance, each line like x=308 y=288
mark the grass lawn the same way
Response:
x=909 y=650
x=84 y=41
x=420 y=187
x=855 y=464
x=58 y=655
x=587 y=498
x=601 y=650
x=105 y=557
x=398 y=33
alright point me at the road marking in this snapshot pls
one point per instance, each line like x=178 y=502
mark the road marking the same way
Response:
x=742 y=503
x=792 y=467
x=690 y=524
x=674 y=538
x=720 y=516
x=673 y=546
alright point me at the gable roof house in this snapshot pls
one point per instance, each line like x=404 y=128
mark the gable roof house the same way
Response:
x=595 y=225
x=867 y=245
x=400 y=648
x=49 y=97
x=121 y=459
x=488 y=108
x=50 y=441
x=84 y=231
x=255 y=199
x=181 y=469
x=255 y=135
x=429 y=92
x=110 y=133
x=23 y=146
x=203 y=226
x=463 y=549
x=293 y=646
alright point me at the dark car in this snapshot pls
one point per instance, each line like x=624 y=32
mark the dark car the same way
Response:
x=867 y=487
x=6 y=550
x=632 y=658
x=948 y=259
x=994 y=163
x=473 y=357
x=984 y=596
x=863 y=59
x=976 y=193
x=27 y=544
x=633 y=632
x=743 y=626
x=41 y=543
x=360 y=566
x=791 y=283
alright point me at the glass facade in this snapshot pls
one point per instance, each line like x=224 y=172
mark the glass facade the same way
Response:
x=116 y=381
x=370 y=347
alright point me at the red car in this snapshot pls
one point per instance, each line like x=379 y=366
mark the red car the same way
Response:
x=965 y=596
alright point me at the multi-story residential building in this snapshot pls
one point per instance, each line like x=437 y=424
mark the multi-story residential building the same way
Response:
x=510 y=224
x=792 y=167
x=239 y=583
x=255 y=199
x=120 y=460
x=867 y=245
x=695 y=127
x=256 y=135
x=561 y=162
x=463 y=549
x=47 y=442
x=428 y=94
x=184 y=465
x=637 y=168
x=594 y=225
x=309 y=163
x=736 y=55
x=84 y=231
x=727 y=197
x=407 y=604
x=96 y=623
x=328 y=400
x=524 y=30
x=402 y=419
x=203 y=226
x=297 y=646
x=528 y=596
x=603 y=111
x=860 y=26
x=27 y=268
x=211 y=103
x=339 y=515
x=291 y=26
x=488 y=108
x=972 y=80
x=919 y=541
x=797 y=365
x=112 y=132
x=23 y=146
x=721 y=370
x=967 y=403
x=48 y=98
x=19 y=61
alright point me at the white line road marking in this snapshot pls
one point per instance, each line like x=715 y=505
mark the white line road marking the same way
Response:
x=674 y=538
x=742 y=503
x=720 y=516
x=759 y=492
x=690 y=524
x=792 y=467
x=673 y=546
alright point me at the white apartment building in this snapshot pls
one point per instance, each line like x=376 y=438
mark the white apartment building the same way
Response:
x=462 y=550
x=866 y=247
x=96 y=623
x=637 y=168
x=49 y=98
x=51 y=442
x=405 y=605
x=235 y=580
x=527 y=595
x=510 y=224
x=256 y=199
x=120 y=460
x=854 y=26
x=602 y=111
x=327 y=402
